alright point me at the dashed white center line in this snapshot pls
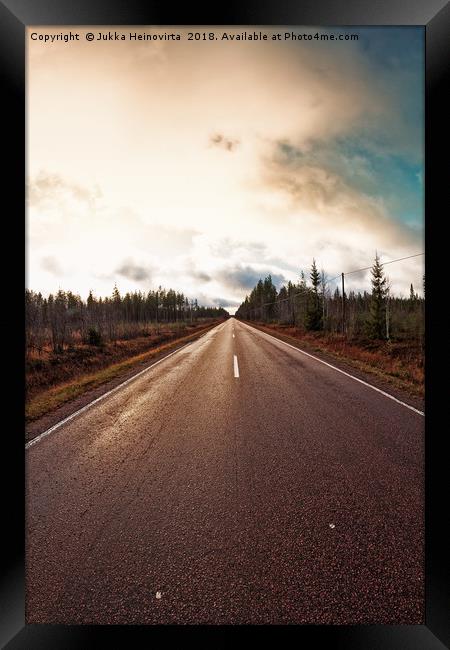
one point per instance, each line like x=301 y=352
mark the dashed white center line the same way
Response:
x=236 y=367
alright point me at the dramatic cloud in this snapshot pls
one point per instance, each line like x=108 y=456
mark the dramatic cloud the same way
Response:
x=128 y=269
x=46 y=188
x=220 y=140
x=51 y=265
x=245 y=277
x=201 y=275
x=205 y=166
x=214 y=301
x=335 y=204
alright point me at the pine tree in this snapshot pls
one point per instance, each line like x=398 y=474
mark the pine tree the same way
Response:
x=377 y=316
x=314 y=315
x=291 y=294
x=323 y=297
x=283 y=305
x=116 y=295
x=302 y=284
x=270 y=296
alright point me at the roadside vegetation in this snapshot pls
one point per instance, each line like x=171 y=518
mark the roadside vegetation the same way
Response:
x=374 y=331
x=74 y=345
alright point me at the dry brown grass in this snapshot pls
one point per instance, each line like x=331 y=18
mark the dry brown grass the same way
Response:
x=53 y=380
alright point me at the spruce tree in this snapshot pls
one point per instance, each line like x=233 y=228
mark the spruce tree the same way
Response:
x=292 y=306
x=270 y=296
x=377 y=315
x=314 y=315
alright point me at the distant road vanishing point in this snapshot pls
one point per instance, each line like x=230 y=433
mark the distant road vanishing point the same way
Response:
x=237 y=481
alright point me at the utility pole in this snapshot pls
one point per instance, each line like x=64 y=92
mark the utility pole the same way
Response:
x=343 y=304
x=387 y=315
x=323 y=299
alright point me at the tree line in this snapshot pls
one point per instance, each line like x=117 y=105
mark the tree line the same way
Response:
x=315 y=307
x=64 y=319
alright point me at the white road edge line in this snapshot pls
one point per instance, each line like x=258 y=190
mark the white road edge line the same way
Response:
x=408 y=406
x=236 y=367
x=44 y=434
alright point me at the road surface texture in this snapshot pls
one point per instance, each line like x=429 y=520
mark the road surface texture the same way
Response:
x=237 y=481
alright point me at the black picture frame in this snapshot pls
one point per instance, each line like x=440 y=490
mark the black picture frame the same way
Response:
x=433 y=15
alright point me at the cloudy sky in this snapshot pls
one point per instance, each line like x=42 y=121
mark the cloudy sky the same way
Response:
x=202 y=166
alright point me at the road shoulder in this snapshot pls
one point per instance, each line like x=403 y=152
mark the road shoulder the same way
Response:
x=35 y=427
x=345 y=365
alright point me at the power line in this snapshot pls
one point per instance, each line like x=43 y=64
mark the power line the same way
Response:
x=384 y=263
x=358 y=270
x=275 y=302
x=366 y=268
x=402 y=258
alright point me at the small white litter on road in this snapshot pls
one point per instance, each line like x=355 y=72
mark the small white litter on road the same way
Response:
x=332 y=525
x=158 y=595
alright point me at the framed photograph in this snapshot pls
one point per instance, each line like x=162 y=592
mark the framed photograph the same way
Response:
x=231 y=411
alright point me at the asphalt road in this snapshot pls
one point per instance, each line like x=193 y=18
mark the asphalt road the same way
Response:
x=290 y=493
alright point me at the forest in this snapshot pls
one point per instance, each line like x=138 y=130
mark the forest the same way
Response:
x=60 y=321
x=312 y=306
x=75 y=345
x=375 y=331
